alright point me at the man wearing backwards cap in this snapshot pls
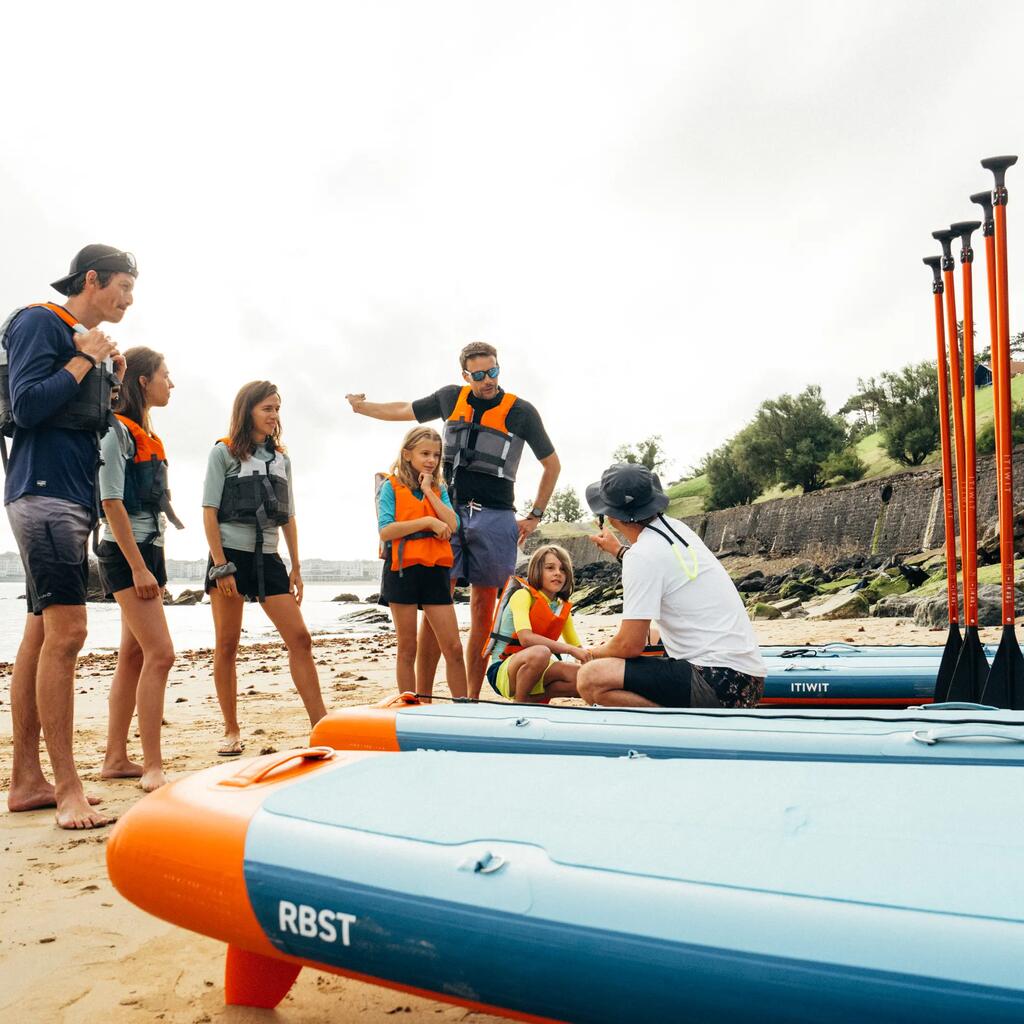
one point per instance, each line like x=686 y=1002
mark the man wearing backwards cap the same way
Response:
x=51 y=503
x=668 y=575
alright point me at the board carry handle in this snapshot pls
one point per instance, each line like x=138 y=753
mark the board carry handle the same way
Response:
x=259 y=769
x=969 y=732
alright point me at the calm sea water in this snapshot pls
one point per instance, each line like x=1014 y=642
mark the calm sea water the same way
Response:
x=192 y=627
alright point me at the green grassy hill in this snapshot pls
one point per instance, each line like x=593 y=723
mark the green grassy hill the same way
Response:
x=689 y=496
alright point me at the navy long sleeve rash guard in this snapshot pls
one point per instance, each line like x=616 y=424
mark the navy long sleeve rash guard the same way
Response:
x=46 y=460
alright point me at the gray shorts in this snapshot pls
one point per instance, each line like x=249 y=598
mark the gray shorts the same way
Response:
x=52 y=537
x=484 y=546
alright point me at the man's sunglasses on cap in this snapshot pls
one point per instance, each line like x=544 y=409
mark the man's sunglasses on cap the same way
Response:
x=478 y=375
x=128 y=257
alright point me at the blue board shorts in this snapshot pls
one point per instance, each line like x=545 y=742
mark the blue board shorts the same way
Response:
x=484 y=546
x=52 y=535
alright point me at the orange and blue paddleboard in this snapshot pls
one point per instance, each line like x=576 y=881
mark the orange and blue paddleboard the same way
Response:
x=600 y=889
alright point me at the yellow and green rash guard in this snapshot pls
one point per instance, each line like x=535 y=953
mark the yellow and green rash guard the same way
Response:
x=516 y=617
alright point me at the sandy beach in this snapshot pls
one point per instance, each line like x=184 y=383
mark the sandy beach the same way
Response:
x=73 y=951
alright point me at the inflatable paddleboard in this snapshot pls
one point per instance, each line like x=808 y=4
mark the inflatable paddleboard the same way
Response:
x=601 y=890
x=845 y=650
x=951 y=734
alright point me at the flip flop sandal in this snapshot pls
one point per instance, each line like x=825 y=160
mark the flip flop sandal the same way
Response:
x=224 y=752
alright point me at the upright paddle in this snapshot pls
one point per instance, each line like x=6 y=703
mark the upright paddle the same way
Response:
x=988 y=230
x=1005 y=686
x=951 y=653
x=945 y=239
x=972 y=667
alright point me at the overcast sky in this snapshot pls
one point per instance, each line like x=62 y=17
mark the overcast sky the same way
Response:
x=660 y=213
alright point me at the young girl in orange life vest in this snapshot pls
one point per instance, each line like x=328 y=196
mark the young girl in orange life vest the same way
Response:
x=534 y=623
x=415 y=518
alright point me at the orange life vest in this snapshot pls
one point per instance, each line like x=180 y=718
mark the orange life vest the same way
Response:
x=543 y=621
x=494 y=419
x=145 y=477
x=421 y=548
x=58 y=310
x=484 y=445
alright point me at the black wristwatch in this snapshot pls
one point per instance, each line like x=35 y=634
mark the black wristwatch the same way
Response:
x=536 y=512
x=220 y=571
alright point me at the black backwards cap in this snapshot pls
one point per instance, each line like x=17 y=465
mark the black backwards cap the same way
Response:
x=97 y=257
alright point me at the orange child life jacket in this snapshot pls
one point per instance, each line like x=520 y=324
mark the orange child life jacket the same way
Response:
x=543 y=621
x=416 y=548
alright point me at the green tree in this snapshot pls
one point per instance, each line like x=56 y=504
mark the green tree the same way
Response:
x=564 y=506
x=790 y=438
x=863 y=407
x=729 y=482
x=909 y=417
x=650 y=453
x=843 y=467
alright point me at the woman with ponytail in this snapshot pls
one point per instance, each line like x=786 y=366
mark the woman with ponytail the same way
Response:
x=136 y=503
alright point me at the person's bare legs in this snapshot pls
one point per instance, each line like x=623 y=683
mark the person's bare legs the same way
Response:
x=445 y=629
x=29 y=786
x=428 y=654
x=64 y=629
x=481 y=615
x=284 y=612
x=150 y=657
x=404 y=617
x=227 y=628
x=30 y=789
x=525 y=668
x=600 y=682
x=121 y=707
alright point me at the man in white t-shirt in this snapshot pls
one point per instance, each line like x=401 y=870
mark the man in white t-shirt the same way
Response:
x=668 y=576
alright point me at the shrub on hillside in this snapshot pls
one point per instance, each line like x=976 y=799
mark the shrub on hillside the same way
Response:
x=843 y=467
x=986 y=439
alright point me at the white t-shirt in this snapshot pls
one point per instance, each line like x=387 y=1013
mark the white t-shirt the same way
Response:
x=698 y=610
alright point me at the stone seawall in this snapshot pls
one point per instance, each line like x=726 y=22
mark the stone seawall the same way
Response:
x=893 y=515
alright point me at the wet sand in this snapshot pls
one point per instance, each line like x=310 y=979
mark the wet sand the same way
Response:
x=73 y=951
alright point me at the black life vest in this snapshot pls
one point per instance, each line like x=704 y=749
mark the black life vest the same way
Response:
x=258 y=496
x=89 y=409
x=145 y=475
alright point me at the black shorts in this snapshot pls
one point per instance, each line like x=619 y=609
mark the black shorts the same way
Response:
x=116 y=573
x=275 y=574
x=52 y=535
x=675 y=683
x=418 y=585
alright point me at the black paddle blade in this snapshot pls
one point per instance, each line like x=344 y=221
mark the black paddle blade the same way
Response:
x=947 y=666
x=1005 y=686
x=971 y=672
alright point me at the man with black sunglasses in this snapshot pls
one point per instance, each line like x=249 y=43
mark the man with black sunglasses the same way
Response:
x=485 y=431
x=52 y=402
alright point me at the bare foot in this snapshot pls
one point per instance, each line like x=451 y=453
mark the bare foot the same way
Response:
x=153 y=779
x=40 y=796
x=76 y=813
x=121 y=769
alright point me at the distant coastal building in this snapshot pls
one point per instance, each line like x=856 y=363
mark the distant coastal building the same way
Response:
x=11 y=567
x=314 y=570
x=983 y=373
